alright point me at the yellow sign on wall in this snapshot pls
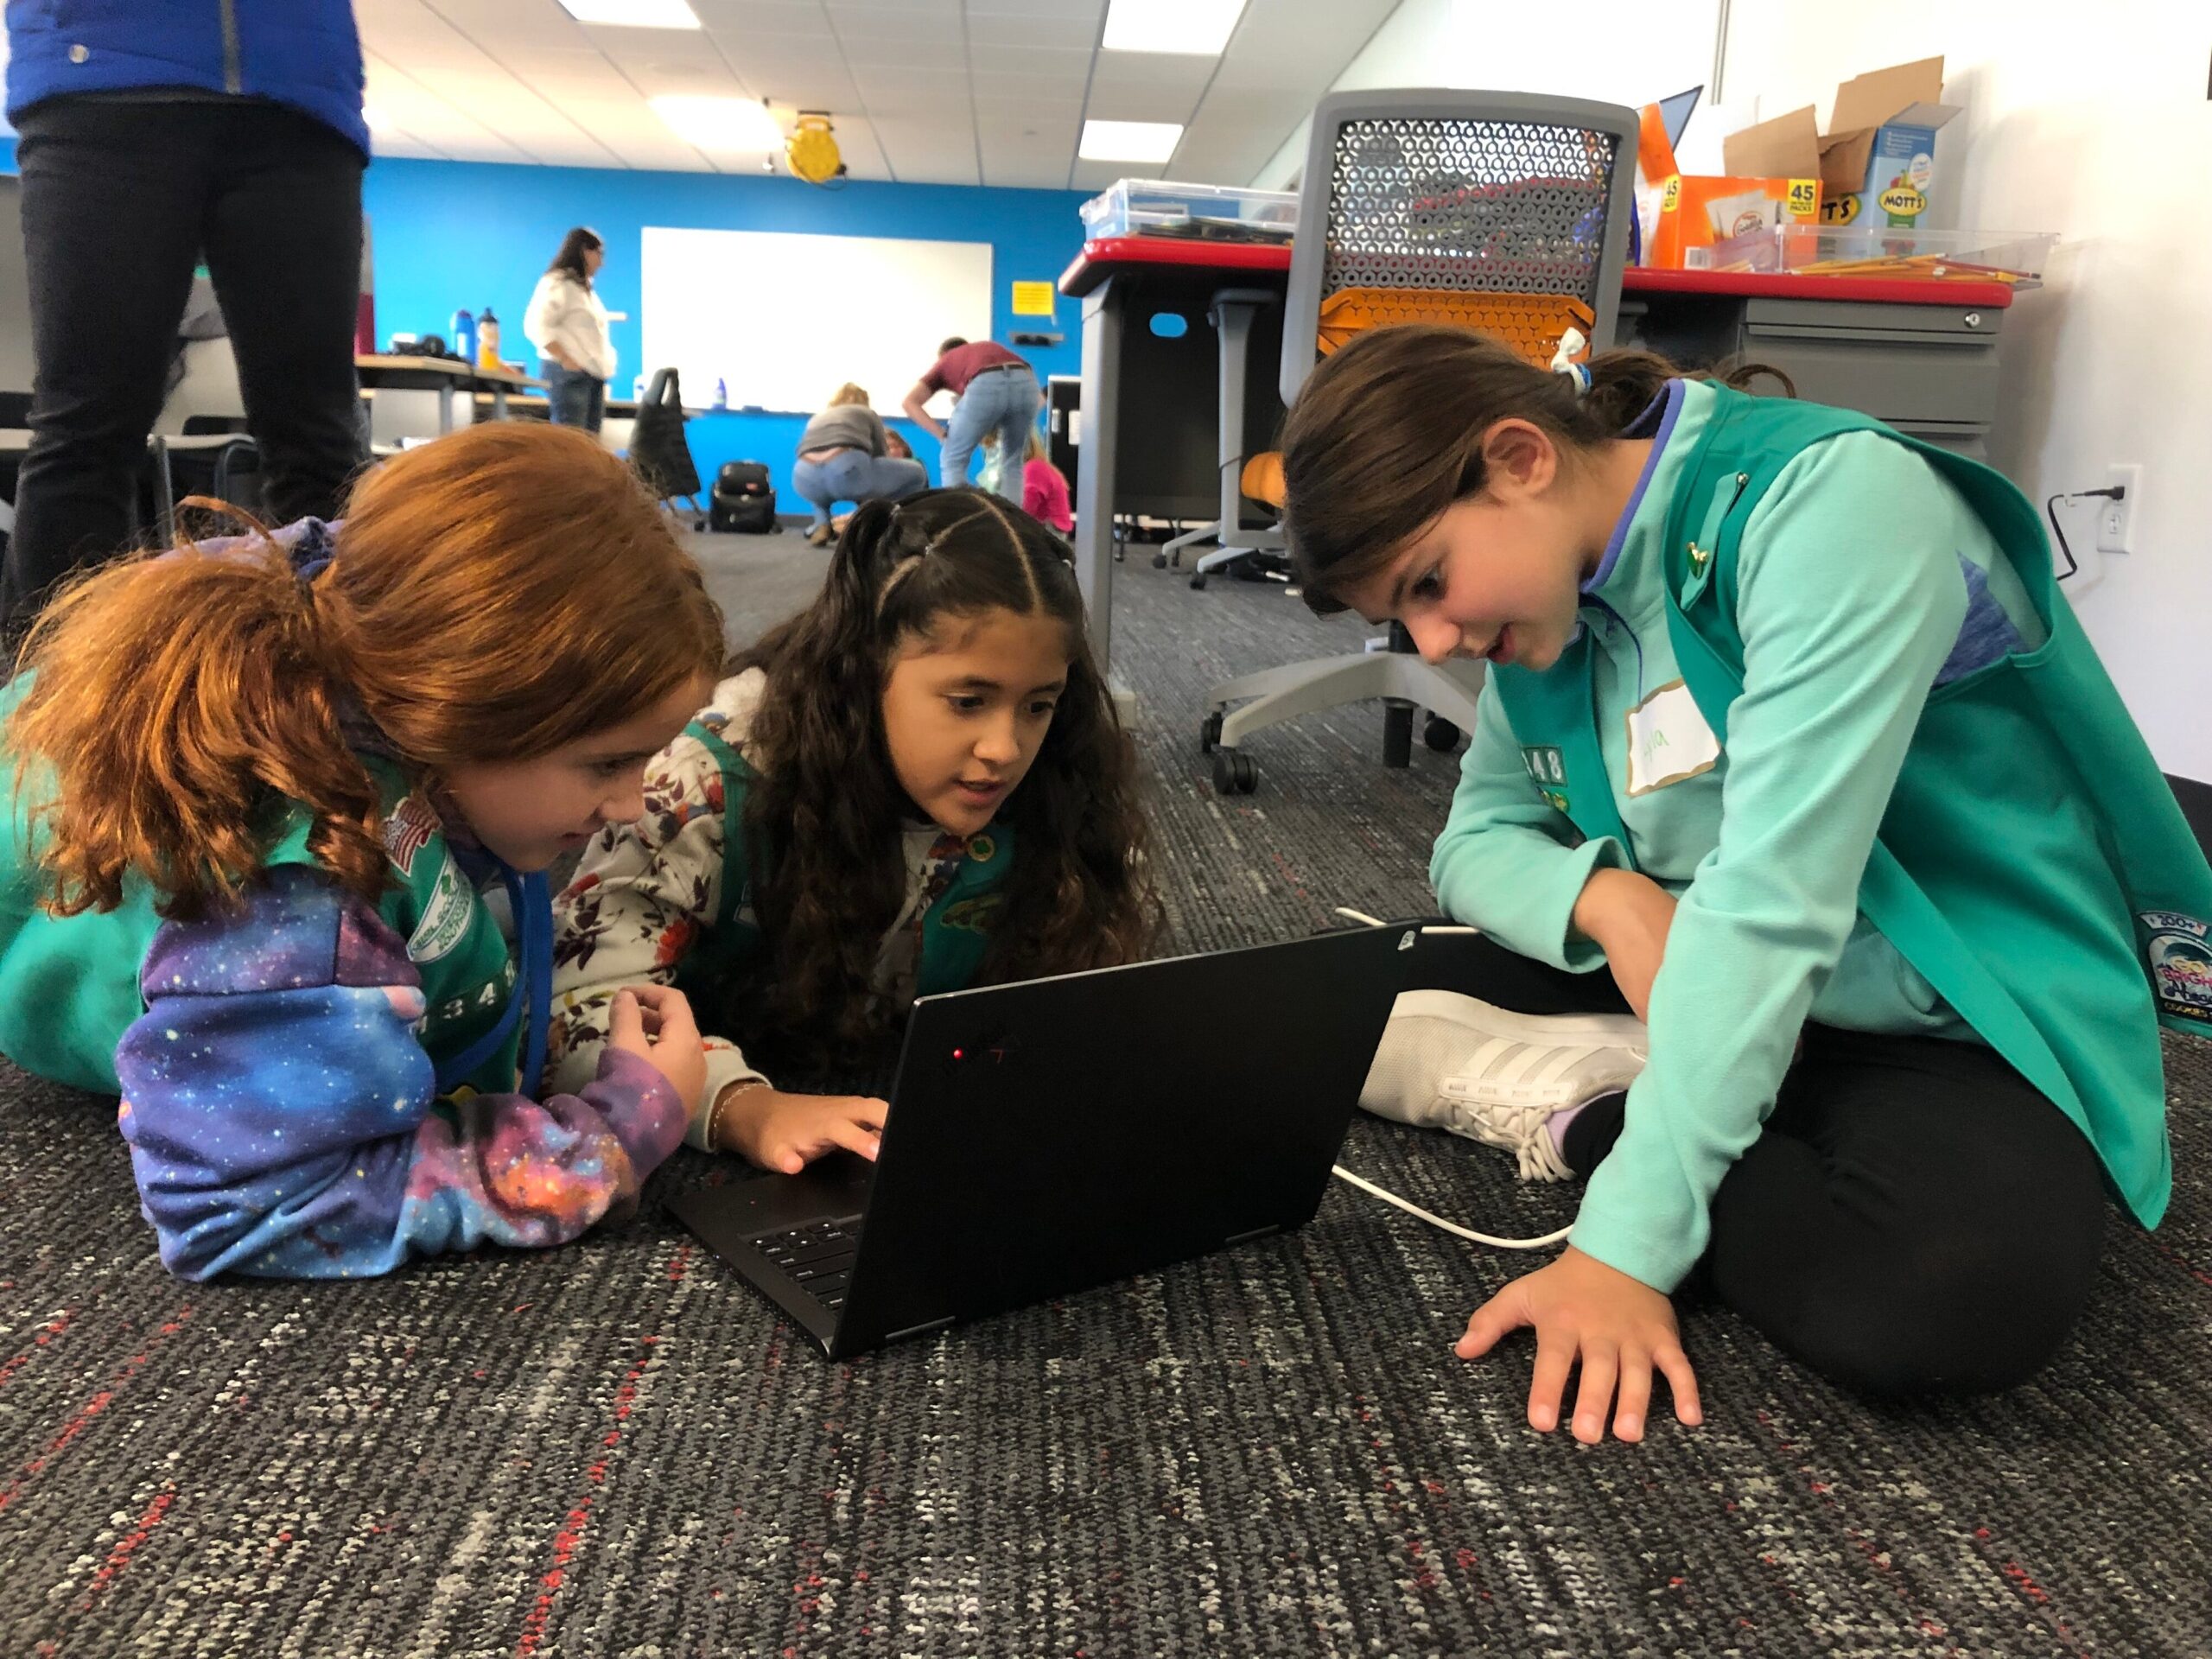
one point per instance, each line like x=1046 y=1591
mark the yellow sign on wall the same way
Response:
x=1033 y=299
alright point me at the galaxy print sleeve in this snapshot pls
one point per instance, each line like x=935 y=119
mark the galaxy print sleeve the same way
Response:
x=283 y=1120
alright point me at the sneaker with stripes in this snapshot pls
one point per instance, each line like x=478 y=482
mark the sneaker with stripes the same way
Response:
x=1452 y=1061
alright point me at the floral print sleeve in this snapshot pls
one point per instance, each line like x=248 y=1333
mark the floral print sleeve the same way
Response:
x=642 y=896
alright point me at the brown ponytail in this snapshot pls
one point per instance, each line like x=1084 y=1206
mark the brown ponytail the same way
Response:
x=1386 y=433
x=491 y=596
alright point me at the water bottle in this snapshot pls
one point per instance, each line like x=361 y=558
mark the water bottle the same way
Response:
x=721 y=395
x=488 y=340
x=463 y=338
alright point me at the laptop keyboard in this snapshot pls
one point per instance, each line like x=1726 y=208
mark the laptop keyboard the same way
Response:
x=820 y=1257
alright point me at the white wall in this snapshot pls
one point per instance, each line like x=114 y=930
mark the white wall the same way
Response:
x=1608 y=51
x=2094 y=124
x=2090 y=122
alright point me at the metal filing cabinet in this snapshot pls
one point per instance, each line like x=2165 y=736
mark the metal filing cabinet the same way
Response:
x=1927 y=369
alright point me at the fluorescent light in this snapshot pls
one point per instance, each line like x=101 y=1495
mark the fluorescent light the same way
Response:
x=1194 y=28
x=721 y=124
x=635 y=14
x=1129 y=140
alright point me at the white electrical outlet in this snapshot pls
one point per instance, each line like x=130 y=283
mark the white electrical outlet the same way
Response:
x=2116 y=519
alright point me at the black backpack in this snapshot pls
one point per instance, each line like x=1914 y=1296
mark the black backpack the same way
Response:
x=743 y=501
x=658 y=453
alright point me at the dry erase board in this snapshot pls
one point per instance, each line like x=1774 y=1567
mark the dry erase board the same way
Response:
x=785 y=319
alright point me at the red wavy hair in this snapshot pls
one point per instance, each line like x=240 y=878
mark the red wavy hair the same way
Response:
x=490 y=597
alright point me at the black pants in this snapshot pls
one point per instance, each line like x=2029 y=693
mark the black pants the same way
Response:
x=119 y=202
x=1913 y=1218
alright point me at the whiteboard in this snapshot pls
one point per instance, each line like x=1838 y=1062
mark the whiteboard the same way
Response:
x=786 y=319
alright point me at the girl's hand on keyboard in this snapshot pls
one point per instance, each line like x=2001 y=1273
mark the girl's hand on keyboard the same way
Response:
x=788 y=1132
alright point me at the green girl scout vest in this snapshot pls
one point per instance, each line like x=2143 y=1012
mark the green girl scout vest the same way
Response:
x=2032 y=865
x=955 y=929
x=69 y=984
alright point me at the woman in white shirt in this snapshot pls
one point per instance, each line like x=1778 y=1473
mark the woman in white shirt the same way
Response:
x=567 y=325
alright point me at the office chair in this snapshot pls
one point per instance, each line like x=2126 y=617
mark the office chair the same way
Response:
x=1503 y=211
x=201 y=431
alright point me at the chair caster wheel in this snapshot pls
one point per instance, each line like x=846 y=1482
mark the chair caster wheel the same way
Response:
x=1159 y=560
x=1210 y=733
x=1198 y=582
x=1234 y=773
x=1440 y=734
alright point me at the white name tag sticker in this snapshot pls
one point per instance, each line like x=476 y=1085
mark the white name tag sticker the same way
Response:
x=1667 y=740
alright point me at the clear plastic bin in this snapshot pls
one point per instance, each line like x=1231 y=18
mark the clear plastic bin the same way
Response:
x=2014 y=256
x=1201 y=211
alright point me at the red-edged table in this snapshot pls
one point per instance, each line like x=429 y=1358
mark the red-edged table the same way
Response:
x=1920 y=355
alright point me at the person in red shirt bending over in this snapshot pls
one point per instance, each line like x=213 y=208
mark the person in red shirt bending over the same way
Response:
x=997 y=392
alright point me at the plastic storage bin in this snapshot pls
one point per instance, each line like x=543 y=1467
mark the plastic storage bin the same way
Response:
x=2013 y=257
x=1202 y=211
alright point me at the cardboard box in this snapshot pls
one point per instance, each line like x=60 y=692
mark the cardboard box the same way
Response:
x=1878 y=157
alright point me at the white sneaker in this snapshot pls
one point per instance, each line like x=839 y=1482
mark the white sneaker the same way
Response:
x=1452 y=1061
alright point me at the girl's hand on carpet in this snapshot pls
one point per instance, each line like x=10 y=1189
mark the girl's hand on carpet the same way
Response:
x=1617 y=1327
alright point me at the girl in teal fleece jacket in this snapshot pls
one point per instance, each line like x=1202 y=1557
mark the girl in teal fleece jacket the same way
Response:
x=1788 y=728
x=260 y=790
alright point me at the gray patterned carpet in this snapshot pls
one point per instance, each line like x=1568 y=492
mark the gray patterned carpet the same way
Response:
x=616 y=1449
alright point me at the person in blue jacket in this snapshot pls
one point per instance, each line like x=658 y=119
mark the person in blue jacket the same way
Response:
x=153 y=136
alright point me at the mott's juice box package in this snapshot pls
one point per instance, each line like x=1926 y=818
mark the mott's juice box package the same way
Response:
x=1878 y=158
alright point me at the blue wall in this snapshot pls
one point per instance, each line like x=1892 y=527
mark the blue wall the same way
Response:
x=447 y=234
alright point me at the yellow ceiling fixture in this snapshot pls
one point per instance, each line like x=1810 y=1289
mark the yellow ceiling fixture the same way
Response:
x=812 y=151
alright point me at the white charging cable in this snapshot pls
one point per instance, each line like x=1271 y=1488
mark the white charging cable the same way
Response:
x=1412 y=1209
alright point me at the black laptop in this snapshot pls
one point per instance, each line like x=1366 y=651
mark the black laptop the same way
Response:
x=1057 y=1134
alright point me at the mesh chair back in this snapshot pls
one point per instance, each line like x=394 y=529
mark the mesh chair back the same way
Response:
x=1501 y=211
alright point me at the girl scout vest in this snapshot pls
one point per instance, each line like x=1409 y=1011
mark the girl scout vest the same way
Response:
x=956 y=928
x=69 y=984
x=2032 y=864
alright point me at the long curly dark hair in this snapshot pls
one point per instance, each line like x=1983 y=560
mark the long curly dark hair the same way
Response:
x=824 y=812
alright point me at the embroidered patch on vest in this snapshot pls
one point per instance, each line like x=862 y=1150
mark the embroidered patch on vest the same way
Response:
x=445 y=918
x=2180 y=955
x=1549 y=767
x=407 y=832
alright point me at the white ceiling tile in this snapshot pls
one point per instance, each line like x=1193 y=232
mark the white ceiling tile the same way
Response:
x=929 y=152
x=1094 y=176
x=1150 y=69
x=875 y=23
x=1068 y=86
x=709 y=78
x=491 y=23
x=985 y=55
x=862 y=48
x=1093 y=9
x=1077 y=34
x=1140 y=103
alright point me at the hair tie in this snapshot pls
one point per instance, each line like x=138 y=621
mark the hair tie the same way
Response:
x=1567 y=360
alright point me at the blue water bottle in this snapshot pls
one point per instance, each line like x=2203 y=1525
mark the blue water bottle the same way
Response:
x=721 y=395
x=464 y=336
